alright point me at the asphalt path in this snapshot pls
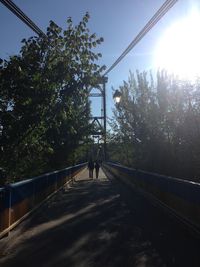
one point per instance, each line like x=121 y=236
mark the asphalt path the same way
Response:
x=99 y=222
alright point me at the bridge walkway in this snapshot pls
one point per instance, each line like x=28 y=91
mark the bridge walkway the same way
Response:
x=88 y=224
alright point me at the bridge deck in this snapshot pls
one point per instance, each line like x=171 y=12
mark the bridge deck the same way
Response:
x=89 y=224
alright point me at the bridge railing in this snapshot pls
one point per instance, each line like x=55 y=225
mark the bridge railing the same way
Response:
x=19 y=199
x=3 y=210
x=181 y=196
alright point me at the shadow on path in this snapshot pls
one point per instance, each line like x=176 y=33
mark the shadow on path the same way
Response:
x=85 y=225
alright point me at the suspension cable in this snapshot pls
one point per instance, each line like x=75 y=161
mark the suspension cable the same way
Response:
x=157 y=16
x=167 y=5
x=21 y=15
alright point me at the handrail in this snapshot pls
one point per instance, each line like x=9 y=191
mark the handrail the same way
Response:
x=182 y=196
x=153 y=173
x=20 y=199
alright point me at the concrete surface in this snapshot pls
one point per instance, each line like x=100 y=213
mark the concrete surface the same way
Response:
x=93 y=223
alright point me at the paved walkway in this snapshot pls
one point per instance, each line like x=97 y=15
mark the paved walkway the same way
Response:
x=85 y=225
x=99 y=223
x=84 y=176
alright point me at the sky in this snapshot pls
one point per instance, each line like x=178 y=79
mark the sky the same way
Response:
x=117 y=21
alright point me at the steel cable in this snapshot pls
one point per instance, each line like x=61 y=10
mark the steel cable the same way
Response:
x=21 y=15
x=157 y=16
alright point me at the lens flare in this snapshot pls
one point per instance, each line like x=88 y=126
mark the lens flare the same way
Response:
x=178 y=50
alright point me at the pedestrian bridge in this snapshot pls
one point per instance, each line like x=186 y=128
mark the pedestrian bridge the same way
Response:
x=125 y=218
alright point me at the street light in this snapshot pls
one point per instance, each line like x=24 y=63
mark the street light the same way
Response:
x=117 y=96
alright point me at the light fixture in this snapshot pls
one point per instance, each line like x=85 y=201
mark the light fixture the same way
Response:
x=117 y=96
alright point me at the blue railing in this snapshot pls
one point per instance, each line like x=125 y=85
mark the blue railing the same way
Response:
x=181 y=196
x=19 y=199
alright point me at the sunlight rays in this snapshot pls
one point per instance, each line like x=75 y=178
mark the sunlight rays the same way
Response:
x=178 y=50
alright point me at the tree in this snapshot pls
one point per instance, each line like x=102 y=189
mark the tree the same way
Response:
x=43 y=99
x=156 y=125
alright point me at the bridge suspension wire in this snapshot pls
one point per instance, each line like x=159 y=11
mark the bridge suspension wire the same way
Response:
x=21 y=15
x=150 y=24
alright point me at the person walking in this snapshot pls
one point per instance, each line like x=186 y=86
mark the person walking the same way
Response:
x=91 y=168
x=97 y=166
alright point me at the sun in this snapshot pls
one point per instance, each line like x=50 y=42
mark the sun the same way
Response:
x=178 y=50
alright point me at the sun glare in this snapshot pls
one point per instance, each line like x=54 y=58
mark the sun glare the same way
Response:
x=178 y=50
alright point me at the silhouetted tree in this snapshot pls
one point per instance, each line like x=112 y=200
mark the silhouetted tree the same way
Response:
x=157 y=125
x=43 y=99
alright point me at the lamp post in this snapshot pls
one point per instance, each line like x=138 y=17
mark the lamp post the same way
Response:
x=117 y=96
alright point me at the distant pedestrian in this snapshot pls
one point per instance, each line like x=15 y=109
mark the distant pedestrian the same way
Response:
x=97 y=166
x=91 y=168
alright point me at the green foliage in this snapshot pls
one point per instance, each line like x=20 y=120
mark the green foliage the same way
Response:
x=44 y=109
x=156 y=127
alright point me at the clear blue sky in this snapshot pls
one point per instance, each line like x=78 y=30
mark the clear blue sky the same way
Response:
x=117 y=21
